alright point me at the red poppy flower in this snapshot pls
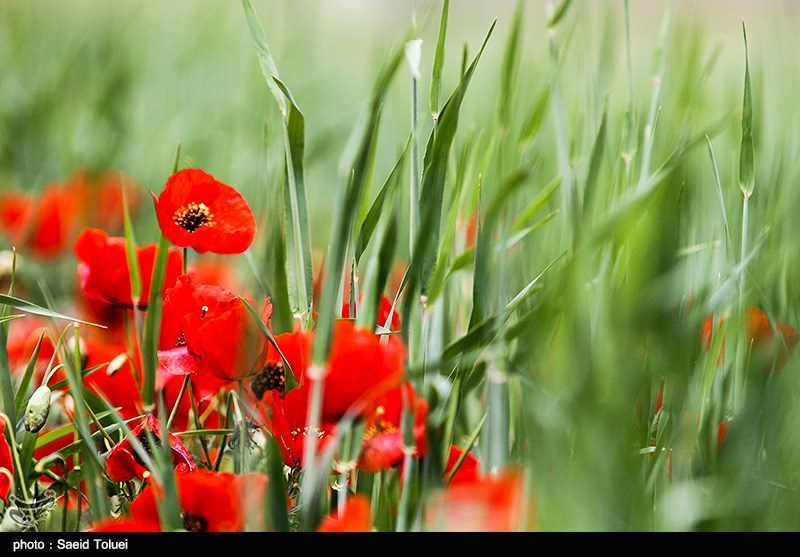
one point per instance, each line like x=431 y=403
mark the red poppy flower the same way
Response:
x=6 y=463
x=124 y=463
x=23 y=334
x=195 y=210
x=383 y=446
x=467 y=472
x=104 y=271
x=362 y=367
x=769 y=345
x=290 y=429
x=383 y=313
x=208 y=329
x=116 y=380
x=355 y=517
x=16 y=208
x=490 y=504
x=208 y=500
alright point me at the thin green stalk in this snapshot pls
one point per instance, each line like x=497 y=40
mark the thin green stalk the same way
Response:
x=23 y=481
x=562 y=146
x=186 y=380
x=658 y=74
x=741 y=346
x=198 y=425
x=414 y=178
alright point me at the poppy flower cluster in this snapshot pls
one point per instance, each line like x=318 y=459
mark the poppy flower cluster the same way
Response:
x=43 y=225
x=211 y=341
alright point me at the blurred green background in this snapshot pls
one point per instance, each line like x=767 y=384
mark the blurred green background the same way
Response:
x=116 y=85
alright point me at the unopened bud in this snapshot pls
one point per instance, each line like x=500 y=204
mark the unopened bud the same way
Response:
x=38 y=409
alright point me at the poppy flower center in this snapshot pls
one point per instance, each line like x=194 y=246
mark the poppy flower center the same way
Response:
x=378 y=425
x=194 y=523
x=144 y=441
x=305 y=431
x=271 y=378
x=192 y=216
x=181 y=340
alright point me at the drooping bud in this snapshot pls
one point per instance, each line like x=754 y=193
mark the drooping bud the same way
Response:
x=38 y=409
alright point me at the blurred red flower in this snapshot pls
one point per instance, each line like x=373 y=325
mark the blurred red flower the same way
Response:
x=195 y=210
x=124 y=463
x=6 y=463
x=116 y=379
x=216 y=271
x=467 y=472
x=490 y=504
x=44 y=225
x=103 y=189
x=209 y=502
x=383 y=446
x=39 y=225
x=104 y=271
x=769 y=345
x=355 y=517
x=362 y=367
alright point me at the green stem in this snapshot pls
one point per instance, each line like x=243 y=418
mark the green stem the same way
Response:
x=23 y=485
x=413 y=214
x=198 y=425
x=174 y=412
x=741 y=346
x=152 y=325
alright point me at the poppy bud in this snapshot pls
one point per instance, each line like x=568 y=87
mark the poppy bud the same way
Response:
x=38 y=409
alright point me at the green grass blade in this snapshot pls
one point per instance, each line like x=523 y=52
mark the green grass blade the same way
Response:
x=298 y=235
x=721 y=197
x=152 y=325
x=509 y=68
x=434 y=176
x=265 y=60
x=559 y=13
x=130 y=250
x=595 y=164
x=438 y=61
x=91 y=463
x=746 y=151
x=375 y=212
x=25 y=382
x=34 y=309
x=275 y=513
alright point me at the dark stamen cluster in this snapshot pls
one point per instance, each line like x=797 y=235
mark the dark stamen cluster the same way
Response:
x=192 y=216
x=271 y=378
